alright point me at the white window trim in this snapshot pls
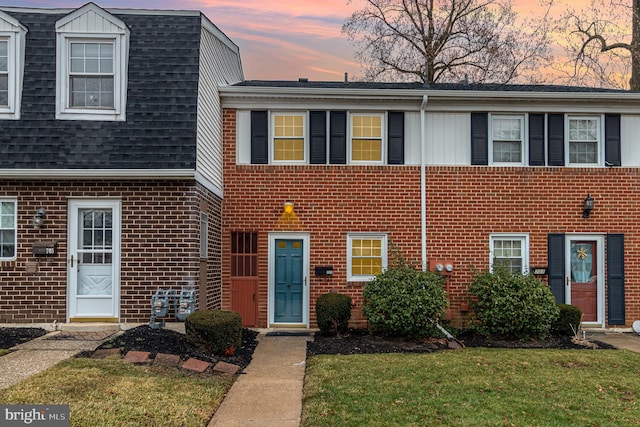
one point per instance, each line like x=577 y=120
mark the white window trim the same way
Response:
x=524 y=129
x=15 y=235
x=383 y=138
x=15 y=67
x=523 y=237
x=305 y=132
x=600 y=133
x=353 y=236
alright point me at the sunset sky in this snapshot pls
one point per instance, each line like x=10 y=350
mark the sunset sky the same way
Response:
x=278 y=39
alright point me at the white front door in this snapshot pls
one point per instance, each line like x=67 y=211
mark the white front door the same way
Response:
x=585 y=276
x=94 y=260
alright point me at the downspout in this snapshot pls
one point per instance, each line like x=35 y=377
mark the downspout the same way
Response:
x=423 y=182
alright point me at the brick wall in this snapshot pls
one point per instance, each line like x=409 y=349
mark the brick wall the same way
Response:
x=465 y=205
x=159 y=245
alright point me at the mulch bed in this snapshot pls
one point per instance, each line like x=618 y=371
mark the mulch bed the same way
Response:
x=10 y=337
x=144 y=338
x=363 y=342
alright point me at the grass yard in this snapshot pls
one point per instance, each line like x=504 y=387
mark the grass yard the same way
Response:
x=112 y=392
x=474 y=387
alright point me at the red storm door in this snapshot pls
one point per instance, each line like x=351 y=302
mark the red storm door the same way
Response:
x=584 y=275
x=244 y=276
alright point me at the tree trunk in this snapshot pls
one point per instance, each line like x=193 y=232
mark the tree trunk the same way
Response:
x=635 y=48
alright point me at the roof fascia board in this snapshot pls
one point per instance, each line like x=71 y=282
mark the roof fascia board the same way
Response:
x=260 y=91
x=59 y=11
x=210 y=27
x=97 y=173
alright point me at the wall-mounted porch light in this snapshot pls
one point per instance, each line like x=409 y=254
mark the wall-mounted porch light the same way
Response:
x=38 y=219
x=588 y=206
x=288 y=207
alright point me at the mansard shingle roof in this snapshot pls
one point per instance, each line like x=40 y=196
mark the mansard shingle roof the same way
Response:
x=160 y=127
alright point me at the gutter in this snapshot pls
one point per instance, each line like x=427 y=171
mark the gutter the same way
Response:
x=423 y=182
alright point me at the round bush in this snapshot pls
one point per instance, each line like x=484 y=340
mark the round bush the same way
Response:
x=214 y=331
x=402 y=301
x=513 y=305
x=568 y=322
x=333 y=312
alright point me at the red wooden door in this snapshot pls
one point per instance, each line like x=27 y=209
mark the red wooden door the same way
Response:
x=244 y=276
x=584 y=278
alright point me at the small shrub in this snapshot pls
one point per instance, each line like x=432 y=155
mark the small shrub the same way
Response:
x=513 y=305
x=333 y=312
x=568 y=322
x=402 y=301
x=214 y=331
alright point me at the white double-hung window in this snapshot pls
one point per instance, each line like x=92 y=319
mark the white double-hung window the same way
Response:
x=510 y=251
x=12 y=50
x=507 y=144
x=92 y=61
x=8 y=229
x=585 y=140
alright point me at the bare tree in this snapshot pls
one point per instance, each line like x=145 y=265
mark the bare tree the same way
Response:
x=448 y=41
x=603 y=44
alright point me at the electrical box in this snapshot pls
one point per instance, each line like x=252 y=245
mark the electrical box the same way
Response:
x=45 y=248
x=326 y=270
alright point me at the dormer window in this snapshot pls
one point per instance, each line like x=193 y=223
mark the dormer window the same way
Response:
x=12 y=39
x=92 y=58
x=91 y=75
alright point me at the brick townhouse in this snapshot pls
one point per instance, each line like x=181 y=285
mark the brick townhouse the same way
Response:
x=110 y=160
x=324 y=181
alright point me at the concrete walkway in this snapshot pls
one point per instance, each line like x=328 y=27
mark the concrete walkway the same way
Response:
x=627 y=341
x=269 y=393
x=42 y=353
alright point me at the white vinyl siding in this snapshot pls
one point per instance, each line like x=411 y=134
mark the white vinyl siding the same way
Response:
x=629 y=147
x=219 y=65
x=448 y=136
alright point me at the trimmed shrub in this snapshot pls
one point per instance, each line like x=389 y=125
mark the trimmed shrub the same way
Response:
x=512 y=305
x=568 y=322
x=333 y=312
x=402 y=301
x=214 y=331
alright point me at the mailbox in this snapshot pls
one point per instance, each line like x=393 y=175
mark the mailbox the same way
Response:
x=45 y=248
x=326 y=270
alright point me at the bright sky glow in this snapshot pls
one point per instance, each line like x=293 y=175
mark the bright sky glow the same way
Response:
x=278 y=40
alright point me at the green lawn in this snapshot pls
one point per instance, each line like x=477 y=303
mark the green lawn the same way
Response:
x=113 y=392
x=474 y=387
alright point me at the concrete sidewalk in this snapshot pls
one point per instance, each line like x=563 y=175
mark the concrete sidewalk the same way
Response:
x=269 y=392
x=42 y=353
x=628 y=340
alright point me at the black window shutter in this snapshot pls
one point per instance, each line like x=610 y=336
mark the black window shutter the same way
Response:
x=479 y=139
x=612 y=154
x=395 y=149
x=536 y=140
x=338 y=137
x=259 y=137
x=318 y=137
x=556 y=139
x=556 y=265
x=615 y=278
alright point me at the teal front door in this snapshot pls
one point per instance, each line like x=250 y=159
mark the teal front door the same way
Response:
x=289 y=279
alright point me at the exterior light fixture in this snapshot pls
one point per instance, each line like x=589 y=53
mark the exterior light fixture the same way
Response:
x=288 y=207
x=588 y=206
x=38 y=219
